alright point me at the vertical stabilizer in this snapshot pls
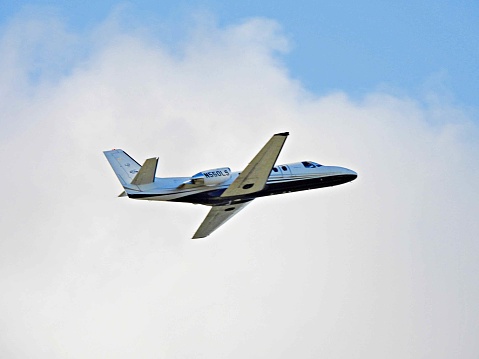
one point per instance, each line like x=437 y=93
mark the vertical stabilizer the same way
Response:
x=124 y=166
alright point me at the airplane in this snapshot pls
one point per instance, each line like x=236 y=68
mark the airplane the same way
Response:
x=225 y=191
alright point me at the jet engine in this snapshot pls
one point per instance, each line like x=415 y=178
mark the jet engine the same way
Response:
x=211 y=177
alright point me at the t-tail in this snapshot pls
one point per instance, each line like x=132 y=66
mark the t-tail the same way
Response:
x=129 y=172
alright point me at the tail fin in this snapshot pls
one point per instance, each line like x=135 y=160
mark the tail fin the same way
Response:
x=124 y=166
x=128 y=171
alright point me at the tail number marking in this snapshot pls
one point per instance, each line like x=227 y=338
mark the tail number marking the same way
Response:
x=213 y=174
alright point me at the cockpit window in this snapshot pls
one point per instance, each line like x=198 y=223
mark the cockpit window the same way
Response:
x=309 y=164
x=275 y=169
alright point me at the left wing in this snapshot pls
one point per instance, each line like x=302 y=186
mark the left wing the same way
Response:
x=216 y=217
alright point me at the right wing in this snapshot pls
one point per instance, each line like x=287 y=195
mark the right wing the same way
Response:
x=254 y=177
x=216 y=217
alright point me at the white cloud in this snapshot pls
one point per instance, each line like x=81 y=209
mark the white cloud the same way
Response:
x=383 y=267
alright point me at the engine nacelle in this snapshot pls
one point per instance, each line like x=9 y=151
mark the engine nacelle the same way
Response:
x=212 y=177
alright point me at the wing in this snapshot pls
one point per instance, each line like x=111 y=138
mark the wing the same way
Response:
x=255 y=175
x=216 y=217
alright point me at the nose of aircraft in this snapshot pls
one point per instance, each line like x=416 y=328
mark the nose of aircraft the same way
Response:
x=340 y=171
x=347 y=171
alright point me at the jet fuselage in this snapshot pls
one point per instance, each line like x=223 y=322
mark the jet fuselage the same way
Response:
x=286 y=178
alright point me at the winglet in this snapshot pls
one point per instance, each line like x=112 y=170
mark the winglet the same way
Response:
x=146 y=174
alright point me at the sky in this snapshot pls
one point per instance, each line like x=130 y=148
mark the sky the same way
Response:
x=404 y=47
x=385 y=266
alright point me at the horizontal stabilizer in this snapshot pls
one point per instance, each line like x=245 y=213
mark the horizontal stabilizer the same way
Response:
x=146 y=174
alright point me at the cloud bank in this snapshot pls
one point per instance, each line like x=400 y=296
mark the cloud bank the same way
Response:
x=383 y=267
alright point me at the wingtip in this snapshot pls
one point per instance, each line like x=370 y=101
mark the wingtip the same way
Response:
x=282 y=134
x=198 y=235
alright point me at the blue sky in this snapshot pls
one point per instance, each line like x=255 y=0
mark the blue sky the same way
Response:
x=408 y=48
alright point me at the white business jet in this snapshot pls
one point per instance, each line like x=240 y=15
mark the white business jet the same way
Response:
x=226 y=192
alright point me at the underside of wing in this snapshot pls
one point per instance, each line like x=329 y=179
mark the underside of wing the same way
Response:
x=254 y=177
x=216 y=217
